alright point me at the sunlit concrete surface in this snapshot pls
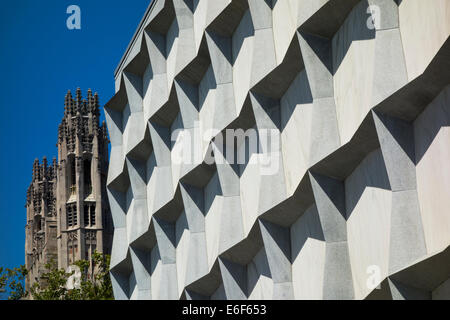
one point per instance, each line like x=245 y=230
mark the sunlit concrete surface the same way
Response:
x=359 y=205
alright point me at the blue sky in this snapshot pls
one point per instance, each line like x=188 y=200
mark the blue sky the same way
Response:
x=40 y=59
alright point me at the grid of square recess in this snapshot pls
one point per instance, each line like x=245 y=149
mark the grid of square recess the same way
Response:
x=358 y=92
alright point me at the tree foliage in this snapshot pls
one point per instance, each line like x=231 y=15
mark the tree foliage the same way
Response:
x=94 y=284
x=12 y=282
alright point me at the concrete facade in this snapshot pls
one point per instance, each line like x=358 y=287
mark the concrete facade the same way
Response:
x=68 y=216
x=358 y=94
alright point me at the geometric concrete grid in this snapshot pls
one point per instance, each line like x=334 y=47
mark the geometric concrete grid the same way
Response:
x=361 y=194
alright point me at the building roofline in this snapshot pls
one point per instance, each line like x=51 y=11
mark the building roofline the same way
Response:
x=133 y=40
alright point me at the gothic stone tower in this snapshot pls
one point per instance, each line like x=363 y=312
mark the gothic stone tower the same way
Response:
x=68 y=216
x=84 y=223
x=41 y=227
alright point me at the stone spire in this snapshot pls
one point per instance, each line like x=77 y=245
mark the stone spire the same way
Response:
x=78 y=101
x=36 y=171
x=68 y=103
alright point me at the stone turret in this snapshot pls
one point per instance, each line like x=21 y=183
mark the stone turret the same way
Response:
x=83 y=223
x=68 y=215
x=40 y=245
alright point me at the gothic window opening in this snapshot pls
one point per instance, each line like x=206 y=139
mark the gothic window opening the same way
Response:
x=72 y=253
x=87 y=176
x=69 y=218
x=89 y=215
x=75 y=218
x=90 y=249
x=72 y=177
x=92 y=214
x=71 y=215
x=37 y=223
x=91 y=246
x=86 y=215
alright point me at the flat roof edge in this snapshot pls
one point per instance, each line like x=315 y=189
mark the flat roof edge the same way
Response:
x=133 y=39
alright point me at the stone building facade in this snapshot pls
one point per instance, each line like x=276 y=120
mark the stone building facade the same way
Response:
x=68 y=216
x=41 y=229
x=357 y=93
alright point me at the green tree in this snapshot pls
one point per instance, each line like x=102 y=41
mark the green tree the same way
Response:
x=95 y=283
x=51 y=285
x=12 y=282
